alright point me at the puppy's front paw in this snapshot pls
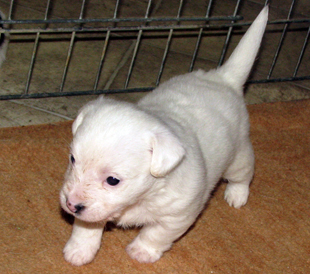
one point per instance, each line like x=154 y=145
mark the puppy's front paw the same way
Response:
x=80 y=252
x=142 y=253
x=236 y=195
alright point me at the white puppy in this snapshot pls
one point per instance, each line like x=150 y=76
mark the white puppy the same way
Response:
x=155 y=164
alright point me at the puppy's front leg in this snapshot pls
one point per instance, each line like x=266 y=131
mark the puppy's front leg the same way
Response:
x=153 y=240
x=83 y=243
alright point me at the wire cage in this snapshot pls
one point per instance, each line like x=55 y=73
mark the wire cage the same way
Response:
x=63 y=48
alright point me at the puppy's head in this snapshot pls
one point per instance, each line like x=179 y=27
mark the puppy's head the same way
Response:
x=117 y=154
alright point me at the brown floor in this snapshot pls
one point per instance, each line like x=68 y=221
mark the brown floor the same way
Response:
x=53 y=49
x=271 y=234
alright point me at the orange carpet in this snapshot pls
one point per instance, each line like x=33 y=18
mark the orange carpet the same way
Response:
x=271 y=234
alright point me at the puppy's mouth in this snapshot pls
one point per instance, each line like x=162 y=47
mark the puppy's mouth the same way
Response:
x=88 y=212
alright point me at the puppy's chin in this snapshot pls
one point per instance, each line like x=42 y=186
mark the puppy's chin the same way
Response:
x=90 y=219
x=97 y=218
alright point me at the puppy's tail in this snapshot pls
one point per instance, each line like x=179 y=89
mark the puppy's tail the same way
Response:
x=237 y=68
x=4 y=41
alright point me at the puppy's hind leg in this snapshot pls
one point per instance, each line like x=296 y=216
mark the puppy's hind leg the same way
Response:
x=154 y=239
x=239 y=175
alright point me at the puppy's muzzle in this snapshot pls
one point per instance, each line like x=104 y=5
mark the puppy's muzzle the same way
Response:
x=75 y=208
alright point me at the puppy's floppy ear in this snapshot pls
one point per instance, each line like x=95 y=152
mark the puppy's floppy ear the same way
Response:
x=167 y=152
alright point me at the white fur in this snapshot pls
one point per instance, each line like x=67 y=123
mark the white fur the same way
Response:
x=168 y=152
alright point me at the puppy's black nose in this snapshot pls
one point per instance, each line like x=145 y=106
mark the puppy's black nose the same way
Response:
x=75 y=208
x=79 y=208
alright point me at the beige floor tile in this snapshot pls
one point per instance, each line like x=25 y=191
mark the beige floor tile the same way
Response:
x=14 y=114
x=270 y=92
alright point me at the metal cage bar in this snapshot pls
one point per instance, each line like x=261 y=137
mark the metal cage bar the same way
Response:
x=104 y=50
x=70 y=51
x=35 y=49
x=137 y=45
x=199 y=39
x=280 y=42
x=140 y=24
x=302 y=52
x=168 y=46
x=229 y=33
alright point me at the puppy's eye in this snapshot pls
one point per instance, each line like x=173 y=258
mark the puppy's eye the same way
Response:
x=112 y=181
x=72 y=159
